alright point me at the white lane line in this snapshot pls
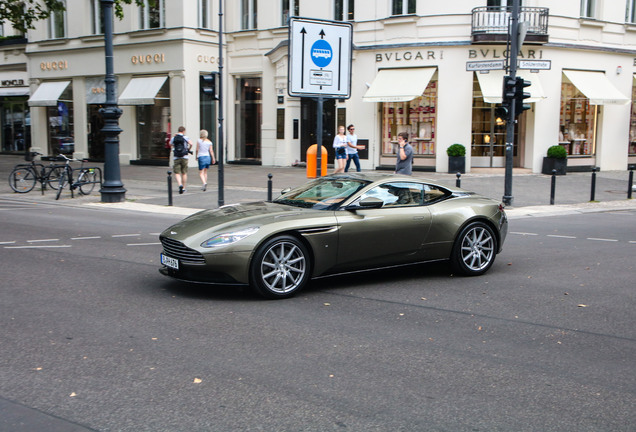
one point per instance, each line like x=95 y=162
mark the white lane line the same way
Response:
x=561 y=236
x=632 y=241
x=37 y=247
x=86 y=238
x=602 y=239
x=5 y=243
x=524 y=233
x=126 y=235
x=154 y=234
x=42 y=240
x=143 y=244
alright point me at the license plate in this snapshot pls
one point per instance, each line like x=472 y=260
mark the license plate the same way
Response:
x=170 y=262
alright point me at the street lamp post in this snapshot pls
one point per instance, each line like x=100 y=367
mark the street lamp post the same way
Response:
x=112 y=188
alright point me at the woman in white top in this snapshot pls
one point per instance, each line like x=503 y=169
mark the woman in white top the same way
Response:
x=340 y=144
x=205 y=157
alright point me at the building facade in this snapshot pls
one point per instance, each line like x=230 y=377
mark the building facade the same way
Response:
x=433 y=70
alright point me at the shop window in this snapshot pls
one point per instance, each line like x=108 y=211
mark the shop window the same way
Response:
x=577 y=122
x=57 y=24
x=403 y=7
x=207 y=112
x=152 y=15
x=154 y=128
x=632 y=125
x=343 y=10
x=60 y=121
x=416 y=117
x=248 y=118
x=248 y=14
x=289 y=9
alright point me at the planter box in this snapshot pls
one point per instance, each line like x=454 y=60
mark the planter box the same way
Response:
x=457 y=164
x=550 y=164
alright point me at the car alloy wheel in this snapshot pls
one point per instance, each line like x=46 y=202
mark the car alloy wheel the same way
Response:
x=280 y=267
x=474 y=250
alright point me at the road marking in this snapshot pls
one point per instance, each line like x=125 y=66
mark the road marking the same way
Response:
x=5 y=243
x=561 y=236
x=42 y=240
x=143 y=244
x=37 y=246
x=85 y=238
x=524 y=233
x=602 y=239
x=154 y=234
x=126 y=235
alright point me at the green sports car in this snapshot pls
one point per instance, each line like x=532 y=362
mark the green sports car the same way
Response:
x=335 y=224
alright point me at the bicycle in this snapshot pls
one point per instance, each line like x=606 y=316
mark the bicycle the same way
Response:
x=86 y=180
x=23 y=177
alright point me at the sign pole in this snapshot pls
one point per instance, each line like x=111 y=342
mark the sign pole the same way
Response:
x=220 y=153
x=513 y=36
x=319 y=137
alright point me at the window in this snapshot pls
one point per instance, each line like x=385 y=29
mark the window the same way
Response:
x=588 y=8
x=97 y=17
x=398 y=194
x=403 y=7
x=577 y=132
x=57 y=24
x=204 y=14
x=343 y=10
x=289 y=9
x=152 y=16
x=630 y=12
x=248 y=14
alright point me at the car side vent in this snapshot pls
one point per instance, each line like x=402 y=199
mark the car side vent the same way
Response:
x=176 y=249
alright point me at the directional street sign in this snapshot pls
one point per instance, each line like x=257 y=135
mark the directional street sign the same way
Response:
x=535 y=64
x=319 y=58
x=485 y=65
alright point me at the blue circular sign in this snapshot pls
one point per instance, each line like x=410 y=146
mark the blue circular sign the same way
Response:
x=321 y=53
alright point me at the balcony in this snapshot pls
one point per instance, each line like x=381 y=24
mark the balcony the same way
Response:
x=490 y=24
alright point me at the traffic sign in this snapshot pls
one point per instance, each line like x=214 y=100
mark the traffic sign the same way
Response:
x=535 y=64
x=485 y=65
x=319 y=58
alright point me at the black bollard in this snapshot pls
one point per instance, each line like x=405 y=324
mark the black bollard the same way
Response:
x=269 y=187
x=458 y=182
x=630 y=183
x=169 y=188
x=553 y=187
x=593 y=191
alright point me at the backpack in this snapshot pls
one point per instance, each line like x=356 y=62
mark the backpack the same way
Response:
x=179 y=143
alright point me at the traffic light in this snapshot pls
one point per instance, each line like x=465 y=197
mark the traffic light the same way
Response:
x=520 y=95
x=502 y=113
x=208 y=85
x=509 y=87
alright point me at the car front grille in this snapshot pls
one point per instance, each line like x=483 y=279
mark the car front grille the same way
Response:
x=176 y=249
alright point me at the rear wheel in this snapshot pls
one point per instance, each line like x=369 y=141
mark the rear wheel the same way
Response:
x=280 y=267
x=474 y=250
x=22 y=180
x=53 y=179
x=86 y=182
x=61 y=184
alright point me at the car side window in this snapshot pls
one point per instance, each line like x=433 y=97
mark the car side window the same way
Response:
x=398 y=194
x=432 y=193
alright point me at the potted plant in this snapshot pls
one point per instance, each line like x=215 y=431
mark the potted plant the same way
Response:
x=556 y=159
x=456 y=158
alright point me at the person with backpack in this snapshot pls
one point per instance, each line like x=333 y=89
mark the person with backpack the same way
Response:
x=181 y=146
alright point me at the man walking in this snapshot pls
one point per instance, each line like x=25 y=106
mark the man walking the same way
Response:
x=352 y=148
x=181 y=146
x=404 y=163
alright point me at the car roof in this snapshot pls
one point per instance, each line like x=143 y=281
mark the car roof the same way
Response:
x=384 y=177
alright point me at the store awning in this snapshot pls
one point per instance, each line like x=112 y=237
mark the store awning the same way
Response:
x=491 y=85
x=141 y=91
x=399 y=85
x=14 y=91
x=48 y=93
x=596 y=87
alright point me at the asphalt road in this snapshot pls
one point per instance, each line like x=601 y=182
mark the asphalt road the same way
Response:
x=94 y=338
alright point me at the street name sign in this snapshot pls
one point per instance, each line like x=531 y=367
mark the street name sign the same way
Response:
x=485 y=65
x=535 y=64
x=319 y=61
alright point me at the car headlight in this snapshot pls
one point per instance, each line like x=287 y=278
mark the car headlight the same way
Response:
x=228 y=238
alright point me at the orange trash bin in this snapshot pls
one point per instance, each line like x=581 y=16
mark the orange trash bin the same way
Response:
x=312 y=161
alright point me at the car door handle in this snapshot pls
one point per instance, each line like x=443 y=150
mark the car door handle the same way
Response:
x=419 y=218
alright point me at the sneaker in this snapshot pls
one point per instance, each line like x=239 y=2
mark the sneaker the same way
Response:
x=204 y=187
x=181 y=190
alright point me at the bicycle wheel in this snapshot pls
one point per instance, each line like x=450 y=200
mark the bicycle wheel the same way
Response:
x=22 y=179
x=86 y=181
x=53 y=178
x=61 y=184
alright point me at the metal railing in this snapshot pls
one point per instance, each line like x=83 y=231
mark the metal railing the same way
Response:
x=495 y=19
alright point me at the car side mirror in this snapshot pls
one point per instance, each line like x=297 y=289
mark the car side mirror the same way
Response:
x=366 y=203
x=284 y=191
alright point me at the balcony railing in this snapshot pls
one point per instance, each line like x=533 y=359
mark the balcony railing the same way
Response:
x=490 y=24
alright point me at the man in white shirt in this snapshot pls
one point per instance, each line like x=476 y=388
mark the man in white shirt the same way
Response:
x=352 y=148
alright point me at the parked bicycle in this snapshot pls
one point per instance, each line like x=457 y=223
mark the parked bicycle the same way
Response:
x=87 y=178
x=24 y=177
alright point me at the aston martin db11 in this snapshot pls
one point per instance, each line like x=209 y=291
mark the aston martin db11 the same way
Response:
x=335 y=224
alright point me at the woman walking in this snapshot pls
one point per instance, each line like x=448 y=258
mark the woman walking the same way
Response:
x=340 y=144
x=205 y=157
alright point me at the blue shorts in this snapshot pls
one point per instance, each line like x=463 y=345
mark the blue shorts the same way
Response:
x=204 y=162
x=341 y=154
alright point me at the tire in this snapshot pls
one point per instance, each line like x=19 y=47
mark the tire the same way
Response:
x=280 y=267
x=22 y=180
x=53 y=179
x=86 y=182
x=474 y=250
x=61 y=184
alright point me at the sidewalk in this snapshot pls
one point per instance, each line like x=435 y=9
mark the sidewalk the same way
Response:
x=146 y=188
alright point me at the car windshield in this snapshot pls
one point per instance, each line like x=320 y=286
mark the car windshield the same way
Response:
x=323 y=193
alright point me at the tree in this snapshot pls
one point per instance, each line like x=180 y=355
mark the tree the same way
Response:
x=23 y=13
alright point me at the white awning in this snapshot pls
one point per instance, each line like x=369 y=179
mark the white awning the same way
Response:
x=141 y=91
x=399 y=85
x=48 y=93
x=596 y=87
x=491 y=85
x=14 y=91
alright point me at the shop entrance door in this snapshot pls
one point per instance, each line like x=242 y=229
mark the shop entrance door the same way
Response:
x=16 y=131
x=308 y=132
x=488 y=147
x=95 y=135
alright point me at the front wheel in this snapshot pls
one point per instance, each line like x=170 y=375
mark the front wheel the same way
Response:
x=53 y=179
x=474 y=250
x=86 y=182
x=22 y=180
x=280 y=267
x=61 y=184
